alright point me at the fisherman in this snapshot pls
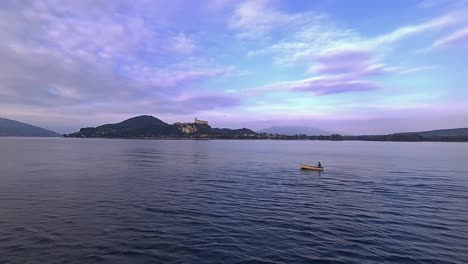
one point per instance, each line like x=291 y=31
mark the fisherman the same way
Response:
x=319 y=165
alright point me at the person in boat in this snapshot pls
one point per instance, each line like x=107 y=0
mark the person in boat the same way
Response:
x=319 y=165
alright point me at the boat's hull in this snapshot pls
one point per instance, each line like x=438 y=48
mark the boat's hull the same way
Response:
x=308 y=167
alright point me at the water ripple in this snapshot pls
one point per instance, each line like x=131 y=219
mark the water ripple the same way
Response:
x=131 y=201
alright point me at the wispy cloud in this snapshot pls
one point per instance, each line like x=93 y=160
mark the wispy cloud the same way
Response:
x=317 y=34
x=355 y=63
x=410 y=30
x=174 y=77
x=182 y=44
x=342 y=60
x=417 y=69
x=89 y=54
x=306 y=35
x=254 y=19
x=458 y=38
x=323 y=85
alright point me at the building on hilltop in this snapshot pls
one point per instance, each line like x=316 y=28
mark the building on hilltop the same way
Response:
x=202 y=122
x=190 y=128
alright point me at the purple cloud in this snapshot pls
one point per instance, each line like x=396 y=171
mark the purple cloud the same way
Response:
x=174 y=76
x=207 y=102
x=344 y=55
x=353 y=63
x=255 y=19
x=87 y=56
x=77 y=58
x=456 y=39
x=182 y=44
x=186 y=104
x=325 y=85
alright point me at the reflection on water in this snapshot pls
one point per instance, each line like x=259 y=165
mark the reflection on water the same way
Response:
x=140 y=201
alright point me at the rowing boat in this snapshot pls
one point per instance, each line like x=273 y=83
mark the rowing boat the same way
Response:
x=309 y=167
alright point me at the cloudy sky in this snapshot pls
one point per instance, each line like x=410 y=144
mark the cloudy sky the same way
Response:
x=347 y=66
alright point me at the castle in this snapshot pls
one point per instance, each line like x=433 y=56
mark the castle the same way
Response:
x=190 y=128
x=201 y=122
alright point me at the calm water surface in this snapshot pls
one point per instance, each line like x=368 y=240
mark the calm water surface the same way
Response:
x=141 y=201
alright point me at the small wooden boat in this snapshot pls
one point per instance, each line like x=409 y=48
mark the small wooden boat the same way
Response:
x=310 y=167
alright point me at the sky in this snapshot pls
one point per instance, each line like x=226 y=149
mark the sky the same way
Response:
x=352 y=67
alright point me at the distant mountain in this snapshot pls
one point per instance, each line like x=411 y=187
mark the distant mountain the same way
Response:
x=440 y=132
x=14 y=128
x=295 y=130
x=447 y=135
x=151 y=127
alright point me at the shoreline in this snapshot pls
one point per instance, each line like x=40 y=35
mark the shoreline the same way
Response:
x=268 y=139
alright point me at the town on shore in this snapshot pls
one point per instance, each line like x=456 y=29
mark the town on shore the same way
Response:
x=149 y=127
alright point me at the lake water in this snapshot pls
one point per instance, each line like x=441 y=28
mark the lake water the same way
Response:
x=150 y=201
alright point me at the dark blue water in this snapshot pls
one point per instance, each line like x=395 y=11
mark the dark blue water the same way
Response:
x=141 y=201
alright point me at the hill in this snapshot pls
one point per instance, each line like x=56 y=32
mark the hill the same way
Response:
x=440 y=132
x=295 y=130
x=140 y=126
x=441 y=135
x=14 y=128
x=151 y=127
